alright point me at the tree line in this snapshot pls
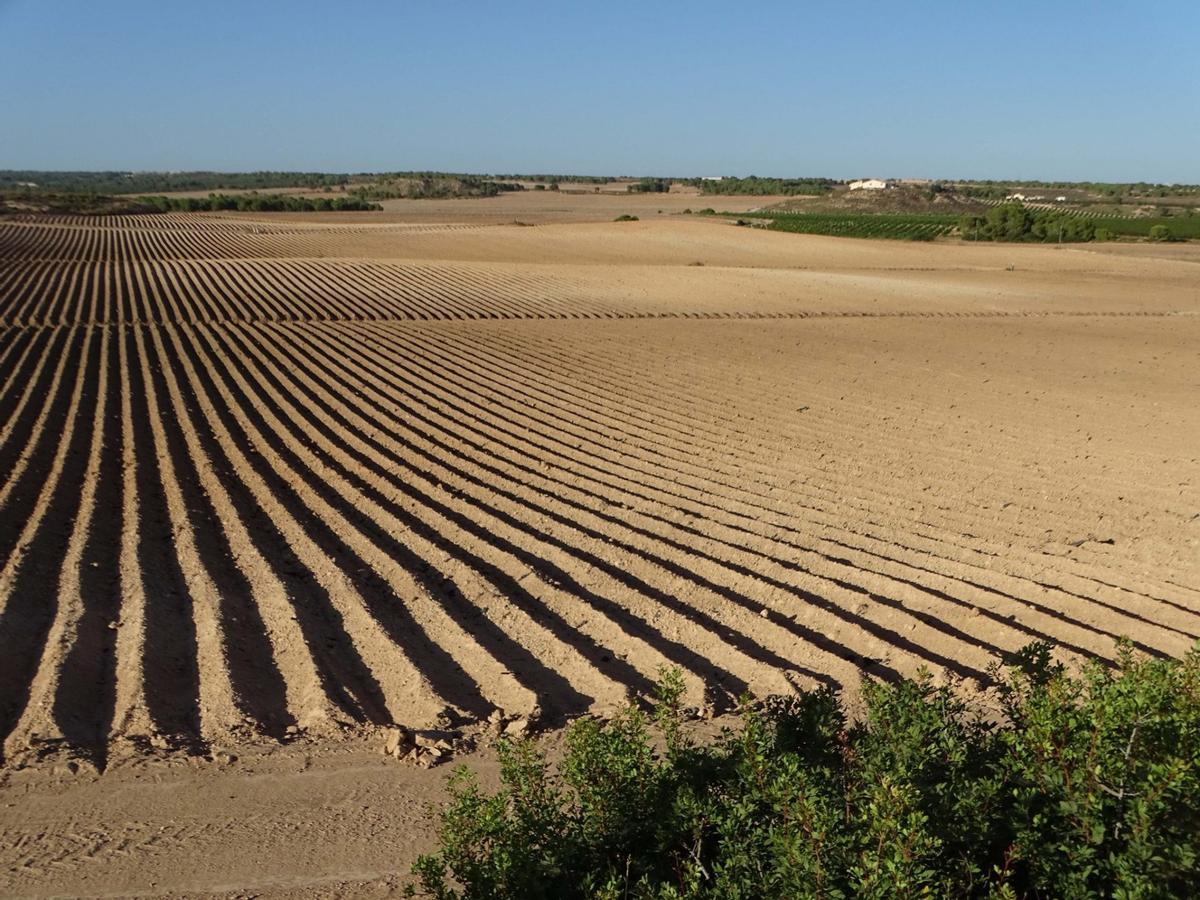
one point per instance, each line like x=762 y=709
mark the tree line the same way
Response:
x=1014 y=222
x=550 y=179
x=755 y=186
x=154 y=182
x=414 y=186
x=1112 y=191
x=255 y=202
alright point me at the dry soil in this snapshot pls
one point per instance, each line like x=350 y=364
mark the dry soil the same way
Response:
x=274 y=483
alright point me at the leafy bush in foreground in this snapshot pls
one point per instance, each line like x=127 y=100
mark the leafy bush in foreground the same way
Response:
x=1087 y=786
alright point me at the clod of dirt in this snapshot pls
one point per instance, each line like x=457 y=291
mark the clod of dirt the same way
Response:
x=1092 y=539
x=397 y=737
x=518 y=727
x=433 y=742
x=427 y=757
x=424 y=748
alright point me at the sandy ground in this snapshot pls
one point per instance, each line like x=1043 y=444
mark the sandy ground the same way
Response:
x=274 y=483
x=572 y=204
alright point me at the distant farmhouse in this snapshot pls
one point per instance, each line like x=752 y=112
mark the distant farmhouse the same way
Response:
x=869 y=184
x=1034 y=198
x=712 y=177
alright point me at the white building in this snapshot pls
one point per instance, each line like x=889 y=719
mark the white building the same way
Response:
x=869 y=184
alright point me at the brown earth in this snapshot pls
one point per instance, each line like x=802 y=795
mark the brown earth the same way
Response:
x=904 y=198
x=574 y=203
x=275 y=483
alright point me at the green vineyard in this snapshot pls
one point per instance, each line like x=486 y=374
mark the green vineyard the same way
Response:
x=862 y=225
x=1178 y=227
x=926 y=227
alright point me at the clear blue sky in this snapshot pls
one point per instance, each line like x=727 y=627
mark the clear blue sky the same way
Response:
x=1058 y=89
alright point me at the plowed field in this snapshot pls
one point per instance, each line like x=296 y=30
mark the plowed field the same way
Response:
x=263 y=479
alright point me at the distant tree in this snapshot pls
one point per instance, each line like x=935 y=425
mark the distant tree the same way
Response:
x=753 y=185
x=650 y=186
x=1008 y=222
x=1013 y=222
x=1060 y=227
x=972 y=228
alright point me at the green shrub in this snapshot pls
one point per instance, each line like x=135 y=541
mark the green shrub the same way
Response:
x=903 y=226
x=1087 y=786
x=650 y=186
x=1011 y=222
x=626 y=218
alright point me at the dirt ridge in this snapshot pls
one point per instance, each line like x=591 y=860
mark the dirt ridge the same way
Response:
x=278 y=493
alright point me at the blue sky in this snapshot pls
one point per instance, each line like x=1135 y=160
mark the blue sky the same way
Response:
x=1055 y=90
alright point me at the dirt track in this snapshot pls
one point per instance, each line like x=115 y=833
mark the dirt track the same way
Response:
x=279 y=482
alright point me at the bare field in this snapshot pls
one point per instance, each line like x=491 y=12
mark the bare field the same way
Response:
x=273 y=482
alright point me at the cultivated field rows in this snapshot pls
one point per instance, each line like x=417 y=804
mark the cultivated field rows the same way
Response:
x=50 y=292
x=209 y=223
x=249 y=498
x=183 y=237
